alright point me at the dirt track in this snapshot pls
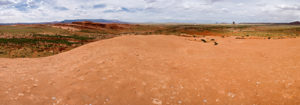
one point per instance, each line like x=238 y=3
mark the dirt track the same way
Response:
x=158 y=70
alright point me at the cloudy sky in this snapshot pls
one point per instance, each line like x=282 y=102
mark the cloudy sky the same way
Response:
x=191 y=11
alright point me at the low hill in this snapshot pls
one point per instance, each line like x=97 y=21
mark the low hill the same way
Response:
x=82 y=25
x=158 y=70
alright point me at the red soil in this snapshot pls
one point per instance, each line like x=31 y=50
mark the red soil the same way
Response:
x=158 y=70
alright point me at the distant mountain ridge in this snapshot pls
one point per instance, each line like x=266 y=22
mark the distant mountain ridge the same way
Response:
x=295 y=23
x=92 y=20
x=70 y=21
x=290 y=23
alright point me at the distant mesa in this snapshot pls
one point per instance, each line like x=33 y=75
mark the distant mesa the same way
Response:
x=291 y=23
x=70 y=21
x=89 y=23
x=92 y=20
x=295 y=23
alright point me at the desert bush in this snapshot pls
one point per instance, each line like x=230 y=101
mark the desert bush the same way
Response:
x=203 y=40
x=215 y=43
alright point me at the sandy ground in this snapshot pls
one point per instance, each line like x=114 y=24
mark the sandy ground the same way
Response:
x=158 y=70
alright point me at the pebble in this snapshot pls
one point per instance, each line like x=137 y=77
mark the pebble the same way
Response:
x=179 y=102
x=258 y=83
x=231 y=95
x=107 y=99
x=20 y=94
x=156 y=101
x=172 y=97
x=205 y=101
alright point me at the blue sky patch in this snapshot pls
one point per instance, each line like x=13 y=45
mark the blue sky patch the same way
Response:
x=5 y=2
x=61 y=8
x=99 y=6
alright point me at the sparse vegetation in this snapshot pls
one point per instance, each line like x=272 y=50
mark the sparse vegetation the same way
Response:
x=216 y=43
x=46 y=40
x=38 y=45
x=203 y=40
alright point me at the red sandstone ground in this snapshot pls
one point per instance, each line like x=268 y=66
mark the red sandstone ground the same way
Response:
x=158 y=70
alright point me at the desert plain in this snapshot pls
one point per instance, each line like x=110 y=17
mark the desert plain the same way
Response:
x=168 y=65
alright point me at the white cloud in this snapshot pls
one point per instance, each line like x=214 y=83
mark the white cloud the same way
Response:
x=200 y=11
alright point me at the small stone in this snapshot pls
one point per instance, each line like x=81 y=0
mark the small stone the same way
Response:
x=107 y=99
x=35 y=85
x=231 y=94
x=258 y=83
x=21 y=94
x=181 y=87
x=156 y=101
x=179 y=102
x=205 y=101
x=172 y=97
x=217 y=100
x=53 y=98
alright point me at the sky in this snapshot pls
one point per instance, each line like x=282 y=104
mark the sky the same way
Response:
x=145 y=11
